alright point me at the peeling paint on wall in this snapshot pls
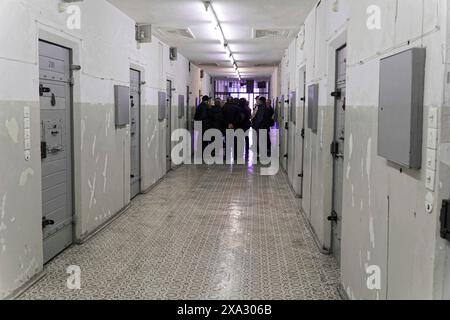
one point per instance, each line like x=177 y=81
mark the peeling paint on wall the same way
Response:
x=83 y=130
x=104 y=173
x=24 y=176
x=372 y=232
x=93 y=145
x=13 y=129
x=368 y=169
x=445 y=153
x=92 y=200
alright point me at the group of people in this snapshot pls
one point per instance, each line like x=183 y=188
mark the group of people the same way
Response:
x=234 y=114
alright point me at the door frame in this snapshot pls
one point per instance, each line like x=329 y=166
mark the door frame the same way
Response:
x=73 y=48
x=334 y=182
x=337 y=41
x=169 y=122
x=141 y=70
x=302 y=101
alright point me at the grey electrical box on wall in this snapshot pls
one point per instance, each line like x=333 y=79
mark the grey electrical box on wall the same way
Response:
x=162 y=105
x=122 y=105
x=313 y=106
x=293 y=107
x=180 y=106
x=400 y=113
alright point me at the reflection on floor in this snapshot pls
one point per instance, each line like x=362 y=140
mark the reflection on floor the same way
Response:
x=217 y=232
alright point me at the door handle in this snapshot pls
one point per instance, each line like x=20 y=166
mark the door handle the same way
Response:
x=47 y=222
x=337 y=94
x=333 y=217
x=43 y=150
x=43 y=90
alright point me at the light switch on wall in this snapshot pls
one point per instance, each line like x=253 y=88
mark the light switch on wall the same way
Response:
x=431 y=159
x=432 y=139
x=430 y=179
x=433 y=118
x=27 y=132
x=26 y=112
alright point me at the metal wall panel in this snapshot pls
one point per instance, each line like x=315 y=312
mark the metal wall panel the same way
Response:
x=313 y=106
x=122 y=105
x=162 y=104
x=293 y=106
x=400 y=116
x=181 y=106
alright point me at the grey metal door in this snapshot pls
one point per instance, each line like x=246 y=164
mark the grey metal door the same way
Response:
x=169 y=126
x=283 y=132
x=337 y=149
x=56 y=148
x=302 y=130
x=135 y=131
x=188 y=108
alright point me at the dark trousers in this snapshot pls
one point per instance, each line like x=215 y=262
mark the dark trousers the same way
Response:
x=268 y=142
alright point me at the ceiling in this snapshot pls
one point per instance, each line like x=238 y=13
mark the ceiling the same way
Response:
x=176 y=21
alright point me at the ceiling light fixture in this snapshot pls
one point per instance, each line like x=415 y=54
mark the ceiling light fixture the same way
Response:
x=218 y=31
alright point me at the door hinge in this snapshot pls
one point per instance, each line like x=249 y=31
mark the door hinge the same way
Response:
x=333 y=217
x=300 y=175
x=445 y=220
x=334 y=148
x=303 y=133
x=337 y=94
x=71 y=81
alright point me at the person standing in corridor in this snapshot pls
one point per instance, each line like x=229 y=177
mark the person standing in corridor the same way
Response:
x=201 y=114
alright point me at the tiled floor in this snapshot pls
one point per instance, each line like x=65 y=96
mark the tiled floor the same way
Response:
x=204 y=233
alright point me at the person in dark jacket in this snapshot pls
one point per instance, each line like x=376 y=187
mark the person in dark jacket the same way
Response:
x=262 y=121
x=231 y=114
x=245 y=116
x=216 y=118
x=201 y=114
x=232 y=118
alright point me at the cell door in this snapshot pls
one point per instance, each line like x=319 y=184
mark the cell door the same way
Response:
x=188 y=108
x=135 y=131
x=302 y=130
x=282 y=132
x=56 y=148
x=337 y=149
x=291 y=142
x=169 y=126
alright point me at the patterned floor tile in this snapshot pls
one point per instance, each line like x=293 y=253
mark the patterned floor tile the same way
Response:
x=217 y=232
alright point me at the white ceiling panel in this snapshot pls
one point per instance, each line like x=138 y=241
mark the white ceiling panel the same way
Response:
x=239 y=20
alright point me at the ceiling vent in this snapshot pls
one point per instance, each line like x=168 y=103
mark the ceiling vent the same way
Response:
x=209 y=65
x=282 y=34
x=174 y=33
x=265 y=65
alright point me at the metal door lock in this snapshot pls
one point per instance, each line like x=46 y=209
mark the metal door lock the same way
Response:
x=43 y=150
x=445 y=220
x=43 y=90
x=337 y=94
x=55 y=149
x=47 y=222
x=334 y=216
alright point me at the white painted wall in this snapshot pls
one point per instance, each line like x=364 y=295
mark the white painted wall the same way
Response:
x=106 y=49
x=402 y=240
